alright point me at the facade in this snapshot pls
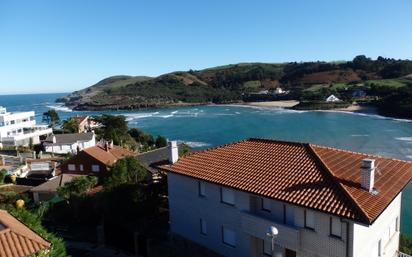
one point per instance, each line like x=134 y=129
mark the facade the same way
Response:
x=18 y=240
x=95 y=160
x=86 y=123
x=332 y=98
x=324 y=202
x=69 y=143
x=20 y=128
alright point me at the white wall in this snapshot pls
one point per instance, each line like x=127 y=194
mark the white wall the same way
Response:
x=366 y=238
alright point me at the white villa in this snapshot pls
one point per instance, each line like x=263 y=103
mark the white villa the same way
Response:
x=308 y=200
x=20 y=128
x=69 y=143
x=332 y=98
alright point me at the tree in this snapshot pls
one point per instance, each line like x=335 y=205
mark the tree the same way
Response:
x=405 y=244
x=161 y=141
x=126 y=171
x=114 y=128
x=51 y=117
x=70 y=125
x=77 y=187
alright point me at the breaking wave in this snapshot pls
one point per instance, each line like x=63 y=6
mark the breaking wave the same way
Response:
x=60 y=108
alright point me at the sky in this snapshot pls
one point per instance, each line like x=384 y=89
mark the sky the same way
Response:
x=66 y=45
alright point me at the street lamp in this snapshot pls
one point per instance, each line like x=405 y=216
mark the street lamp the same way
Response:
x=272 y=232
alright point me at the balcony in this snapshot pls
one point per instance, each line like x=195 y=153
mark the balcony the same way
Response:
x=401 y=254
x=254 y=225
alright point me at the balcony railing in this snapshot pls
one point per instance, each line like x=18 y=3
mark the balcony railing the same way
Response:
x=401 y=254
x=257 y=226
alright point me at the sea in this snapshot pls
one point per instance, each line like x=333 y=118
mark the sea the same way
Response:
x=211 y=125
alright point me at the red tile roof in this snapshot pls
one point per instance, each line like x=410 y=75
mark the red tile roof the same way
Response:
x=311 y=176
x=80 y=119
x=108 y=157
x=16 y=239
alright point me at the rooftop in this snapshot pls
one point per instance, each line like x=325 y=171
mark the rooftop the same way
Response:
x=62 y=139
x=16 y=239
x=308 y=175
x=110 y=156
x=53 y=184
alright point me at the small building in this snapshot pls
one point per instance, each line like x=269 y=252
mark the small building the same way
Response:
x=38 y=171
x=280 y=91
x=332 y=98
x=69 y=143
x=85 y=123
x=48 y=190
x=95 y=160
x=20 y=129
x=310 y=200
x=18 y=240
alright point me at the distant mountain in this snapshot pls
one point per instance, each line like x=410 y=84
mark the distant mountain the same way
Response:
x=230 y=83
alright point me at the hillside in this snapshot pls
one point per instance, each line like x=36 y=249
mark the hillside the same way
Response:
x=236 y=82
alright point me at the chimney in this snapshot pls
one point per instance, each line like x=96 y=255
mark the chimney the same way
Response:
x=368 y=174
x=111 y=144
x=54 y=139
x=106 y=146
x=173 y=152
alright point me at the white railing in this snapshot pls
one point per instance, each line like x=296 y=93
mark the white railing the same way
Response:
x=401 y=254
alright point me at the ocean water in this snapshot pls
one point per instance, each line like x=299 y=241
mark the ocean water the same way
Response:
x=206 y=126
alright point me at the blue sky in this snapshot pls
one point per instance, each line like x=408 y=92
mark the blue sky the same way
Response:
x=61 y=46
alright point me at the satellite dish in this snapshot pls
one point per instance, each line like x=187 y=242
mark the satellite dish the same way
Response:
x=272 y=232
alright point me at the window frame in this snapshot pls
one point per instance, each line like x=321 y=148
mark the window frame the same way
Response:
x=262 y=205
x=71 y=165
x=221 y=196
x=223 y=237
x=331 y=227
x=98 y=168
x=306 y=221
x=203 y=227
x=201 y=193
x=263 y=249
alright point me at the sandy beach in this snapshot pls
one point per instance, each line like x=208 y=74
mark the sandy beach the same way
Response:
x=275 y=104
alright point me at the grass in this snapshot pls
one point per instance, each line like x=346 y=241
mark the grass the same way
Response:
x=252 y=84
x=394 y=83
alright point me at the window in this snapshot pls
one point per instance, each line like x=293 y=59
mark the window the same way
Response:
x=95 y=168
x=71 y=167
x=335 y=227
x=227 y=196
x=309 y=219
x=203 y=227
x=380 y=247
x=265 y=204
x=392 y=228
x=229 y=237
x=267 y=248
x=81 y=167
x=202 y=188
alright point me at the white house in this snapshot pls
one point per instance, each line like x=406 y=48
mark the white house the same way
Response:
x=314 y=200
x=20 y=128
x=332 y=98
x=69 y=143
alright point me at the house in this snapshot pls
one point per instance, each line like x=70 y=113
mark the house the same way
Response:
x=48 y=190
x=280 y=91
x=332 y=98
x=95 y=160
x=19 y=128
x=151 y=159
x=17 y=240
x=69 y=143
x=321 y=201
x=38 y=171
x=85 y=123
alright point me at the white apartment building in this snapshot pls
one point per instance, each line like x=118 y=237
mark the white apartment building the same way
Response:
x=324 y=202
x=20 y=128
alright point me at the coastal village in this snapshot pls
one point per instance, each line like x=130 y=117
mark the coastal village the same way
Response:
x=254 y=197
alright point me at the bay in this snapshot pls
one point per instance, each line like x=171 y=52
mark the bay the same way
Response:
x=207 y=126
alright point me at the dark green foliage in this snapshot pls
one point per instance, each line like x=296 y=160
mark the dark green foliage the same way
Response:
x=397 y=103
x=114 y=128
x=77 y=187
x=126 y=171
x=405 y=244
x=146 y=141
x=51 y=117
x=70 y=126
x=161 y=141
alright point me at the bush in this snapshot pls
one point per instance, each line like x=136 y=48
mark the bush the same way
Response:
x=405 y=244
